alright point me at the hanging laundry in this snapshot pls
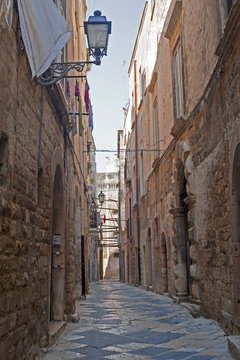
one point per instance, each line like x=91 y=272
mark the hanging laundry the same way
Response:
x=86 y=96
x=45 y=32
x=74 y=125
x=6 y=11
x=90 y=118
x=80 y=117
x=77 y=91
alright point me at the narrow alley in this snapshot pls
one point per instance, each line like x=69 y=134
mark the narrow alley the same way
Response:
x=121 y=322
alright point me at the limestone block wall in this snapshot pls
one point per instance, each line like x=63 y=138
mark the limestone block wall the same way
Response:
x=189 y=211
x=38 y=198
x=206 y=149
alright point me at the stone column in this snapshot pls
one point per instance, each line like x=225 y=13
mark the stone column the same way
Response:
x=194 y=268
x=180 y=270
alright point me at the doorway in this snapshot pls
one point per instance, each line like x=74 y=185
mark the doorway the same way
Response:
x=236 y=234
x=182 y=228
x=149 y=258
x=57 y=269
x=164 y=269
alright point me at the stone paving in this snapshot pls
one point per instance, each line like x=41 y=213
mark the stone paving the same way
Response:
x=119 y=322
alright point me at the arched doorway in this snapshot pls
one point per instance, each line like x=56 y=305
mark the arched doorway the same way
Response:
x=236 y=234
x=181 y=242
x=149 y=258
x=183 y=225
x=57 y=270
x=77 y=243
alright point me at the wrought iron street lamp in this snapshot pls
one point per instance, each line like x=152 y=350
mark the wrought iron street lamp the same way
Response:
x=97 y=29
x=101 y=197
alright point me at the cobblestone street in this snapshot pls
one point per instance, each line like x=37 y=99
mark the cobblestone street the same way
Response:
x=121 y=322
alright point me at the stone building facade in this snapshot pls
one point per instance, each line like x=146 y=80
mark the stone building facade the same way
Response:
x=186 y=109
x=43 y=222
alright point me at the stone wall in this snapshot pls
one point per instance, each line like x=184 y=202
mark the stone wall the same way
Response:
x=40 y=182
x=205 y=148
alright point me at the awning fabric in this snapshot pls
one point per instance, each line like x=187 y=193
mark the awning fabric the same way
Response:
x=45 y=32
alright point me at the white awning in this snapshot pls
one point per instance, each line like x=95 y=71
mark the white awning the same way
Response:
x=45 y=32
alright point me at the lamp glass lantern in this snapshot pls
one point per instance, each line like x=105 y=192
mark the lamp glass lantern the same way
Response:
x=97 y=29
x=101 y=197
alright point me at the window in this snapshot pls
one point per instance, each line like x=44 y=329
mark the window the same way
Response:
x=143 y=82
x=133 y=114
x=141 y=174
x=140 y=93
x=178 y=81
x=134 y=187
x=4 y=150
x=130 y=218
x=229 y=5
x=152 y=7
x=63 y=57
x=156 y=232
x=155 y=129
x=225 y=7
x=40 y=193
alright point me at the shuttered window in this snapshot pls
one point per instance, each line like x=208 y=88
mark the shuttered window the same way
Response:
x=156 y=130
x=178 y=82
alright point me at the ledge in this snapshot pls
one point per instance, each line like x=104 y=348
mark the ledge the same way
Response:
x=175 y=14
x=178 y=127
x=55 y=329
x=234 y=346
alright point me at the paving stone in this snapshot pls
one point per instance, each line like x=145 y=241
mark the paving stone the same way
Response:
x=119 y=322
x=151 y=351
x=176 y=355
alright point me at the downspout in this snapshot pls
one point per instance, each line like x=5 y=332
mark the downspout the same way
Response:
x=136 y=173
x=40 y=133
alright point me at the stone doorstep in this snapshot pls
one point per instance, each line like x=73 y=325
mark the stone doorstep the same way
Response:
x=193 y=308
x=234 y=346
x=55 y=329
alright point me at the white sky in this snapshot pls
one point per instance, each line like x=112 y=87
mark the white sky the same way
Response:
x=109 y=81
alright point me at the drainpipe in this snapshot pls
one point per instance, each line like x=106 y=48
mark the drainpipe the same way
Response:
x=136 y=173
x=40 y=133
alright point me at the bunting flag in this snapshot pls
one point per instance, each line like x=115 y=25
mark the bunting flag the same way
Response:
x=90 y=118
x=80 y=117
x=86 y=96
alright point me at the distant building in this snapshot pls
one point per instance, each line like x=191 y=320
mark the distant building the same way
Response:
x=93 y=236
x=107 y=182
